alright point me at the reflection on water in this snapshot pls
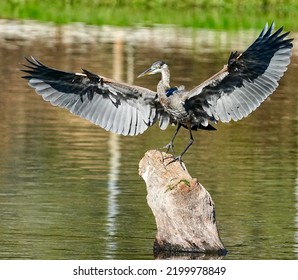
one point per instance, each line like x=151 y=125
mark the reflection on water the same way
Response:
x=296 y=220
x=113 y=208
x=69 y=189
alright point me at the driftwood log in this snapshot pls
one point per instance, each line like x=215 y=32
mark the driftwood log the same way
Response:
x=184 y=211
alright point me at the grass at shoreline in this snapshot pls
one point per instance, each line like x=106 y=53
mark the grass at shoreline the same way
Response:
x=213 y=14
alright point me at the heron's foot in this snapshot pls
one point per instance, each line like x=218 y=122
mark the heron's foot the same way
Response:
x=177 y=158
x=162 y=153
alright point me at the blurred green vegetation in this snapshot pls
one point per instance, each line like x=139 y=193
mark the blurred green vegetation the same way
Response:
x=218 y=14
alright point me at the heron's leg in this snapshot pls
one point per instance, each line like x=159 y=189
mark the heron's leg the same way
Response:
x=188 y=145
x=179 y=158
x=170 y=145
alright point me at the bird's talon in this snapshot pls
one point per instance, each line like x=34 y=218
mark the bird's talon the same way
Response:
x=176 y=158
x=168 y=157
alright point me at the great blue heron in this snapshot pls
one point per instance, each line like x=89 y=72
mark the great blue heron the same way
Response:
x=231 y=94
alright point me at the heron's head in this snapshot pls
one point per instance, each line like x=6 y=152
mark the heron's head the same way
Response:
x=155 y=68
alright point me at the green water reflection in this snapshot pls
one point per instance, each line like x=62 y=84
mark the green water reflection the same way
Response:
x=70 y=190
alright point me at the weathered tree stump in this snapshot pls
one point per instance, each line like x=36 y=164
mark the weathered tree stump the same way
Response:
x=184 y=211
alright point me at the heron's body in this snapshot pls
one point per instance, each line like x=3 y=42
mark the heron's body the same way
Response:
x=174 y=106
x=231 y=94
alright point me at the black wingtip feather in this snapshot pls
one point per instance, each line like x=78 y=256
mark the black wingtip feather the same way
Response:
x=34 y=63
x=30 y=68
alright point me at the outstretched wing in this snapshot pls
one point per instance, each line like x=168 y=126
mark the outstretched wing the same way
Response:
x=117 y=107
x=245 y=82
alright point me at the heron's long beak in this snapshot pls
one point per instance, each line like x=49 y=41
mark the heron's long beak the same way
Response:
x=149 y=71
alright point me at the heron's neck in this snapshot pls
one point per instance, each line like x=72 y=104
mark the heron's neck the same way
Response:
x=165 y=77
x=164 y=83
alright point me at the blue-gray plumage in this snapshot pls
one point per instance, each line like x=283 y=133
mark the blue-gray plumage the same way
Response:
x=231 y=94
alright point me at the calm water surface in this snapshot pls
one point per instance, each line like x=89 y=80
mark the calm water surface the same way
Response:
x=71 y=190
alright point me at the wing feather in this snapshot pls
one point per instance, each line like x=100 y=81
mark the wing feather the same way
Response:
x=117 y=107
x=245 y=82
x=127 y=125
